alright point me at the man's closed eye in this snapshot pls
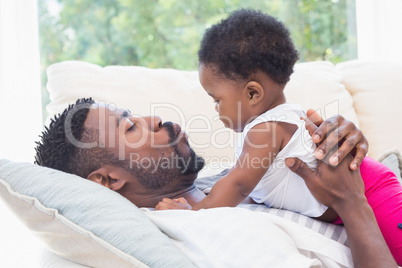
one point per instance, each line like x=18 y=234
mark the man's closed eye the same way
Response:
x=131 y=128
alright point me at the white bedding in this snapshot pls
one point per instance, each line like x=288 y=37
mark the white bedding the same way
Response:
x=238 y=237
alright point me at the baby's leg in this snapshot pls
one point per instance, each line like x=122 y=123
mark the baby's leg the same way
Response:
x=384 y=195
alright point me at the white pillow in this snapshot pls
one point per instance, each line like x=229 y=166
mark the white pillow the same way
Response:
x=318 y=85
x=377 y=96
x=179 y=97
x=84 y=222
x=172 y=94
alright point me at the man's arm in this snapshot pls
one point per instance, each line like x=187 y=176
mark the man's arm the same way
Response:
x=343 y=190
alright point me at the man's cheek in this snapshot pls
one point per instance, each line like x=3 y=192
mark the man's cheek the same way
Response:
x=127 y=145
x=158 y=142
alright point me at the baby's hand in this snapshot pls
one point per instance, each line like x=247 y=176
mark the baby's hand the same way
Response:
x=177 y=203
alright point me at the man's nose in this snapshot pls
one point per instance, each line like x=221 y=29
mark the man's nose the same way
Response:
x=154 y=122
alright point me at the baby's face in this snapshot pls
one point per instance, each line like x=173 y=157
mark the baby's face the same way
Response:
x=230 y=98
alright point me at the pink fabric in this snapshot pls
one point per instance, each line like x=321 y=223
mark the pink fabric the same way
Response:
x=384 y=195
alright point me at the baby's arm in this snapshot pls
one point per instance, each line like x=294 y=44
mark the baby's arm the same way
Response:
x=260 y=148
x=262 y=144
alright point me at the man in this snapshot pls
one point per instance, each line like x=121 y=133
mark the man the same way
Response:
x=145 y=161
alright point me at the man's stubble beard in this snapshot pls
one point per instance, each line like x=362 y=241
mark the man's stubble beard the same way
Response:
x=163 y=171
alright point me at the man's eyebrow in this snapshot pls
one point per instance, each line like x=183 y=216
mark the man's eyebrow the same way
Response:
x=125 y=114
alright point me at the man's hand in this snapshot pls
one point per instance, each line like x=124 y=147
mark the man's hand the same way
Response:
x=177 y=203
x=343 y=190
x=331 y=186
x=327 y=134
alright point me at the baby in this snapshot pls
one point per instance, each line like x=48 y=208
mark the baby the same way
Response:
x=245 y=62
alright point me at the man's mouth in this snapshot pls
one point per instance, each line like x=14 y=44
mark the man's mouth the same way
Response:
x=177 y=129
x=174 y=131
x=179 y=132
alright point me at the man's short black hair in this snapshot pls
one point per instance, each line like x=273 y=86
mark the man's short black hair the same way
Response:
x=248 y=41
x=57 y=150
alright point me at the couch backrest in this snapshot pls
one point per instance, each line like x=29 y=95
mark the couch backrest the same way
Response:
x=178 y=96
x=376 y=88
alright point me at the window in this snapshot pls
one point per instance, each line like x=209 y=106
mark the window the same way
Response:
x=167 y=33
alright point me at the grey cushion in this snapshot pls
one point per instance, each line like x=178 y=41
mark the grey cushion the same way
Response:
x=393 y=160
x=83 y=221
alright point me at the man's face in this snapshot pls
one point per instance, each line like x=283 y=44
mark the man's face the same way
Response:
x=155 y=153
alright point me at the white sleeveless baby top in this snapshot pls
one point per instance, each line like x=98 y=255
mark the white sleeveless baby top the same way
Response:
x=280 y=187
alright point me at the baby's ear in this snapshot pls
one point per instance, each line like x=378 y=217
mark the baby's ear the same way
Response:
x=254 y=91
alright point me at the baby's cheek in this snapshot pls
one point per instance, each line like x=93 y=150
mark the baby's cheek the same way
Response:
x=226 y=121
x=223 y=119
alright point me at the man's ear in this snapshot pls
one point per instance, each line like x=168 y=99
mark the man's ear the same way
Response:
x=104 y=177
x=254 y=91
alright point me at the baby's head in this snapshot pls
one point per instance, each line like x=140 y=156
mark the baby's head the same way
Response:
x=249 y=56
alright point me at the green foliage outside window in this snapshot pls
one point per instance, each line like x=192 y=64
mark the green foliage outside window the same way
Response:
x=167 y=33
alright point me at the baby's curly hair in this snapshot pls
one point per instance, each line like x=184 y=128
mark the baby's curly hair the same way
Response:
x=56 y=150
x=248 y=41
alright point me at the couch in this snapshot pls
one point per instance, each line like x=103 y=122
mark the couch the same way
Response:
x=367 y=93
